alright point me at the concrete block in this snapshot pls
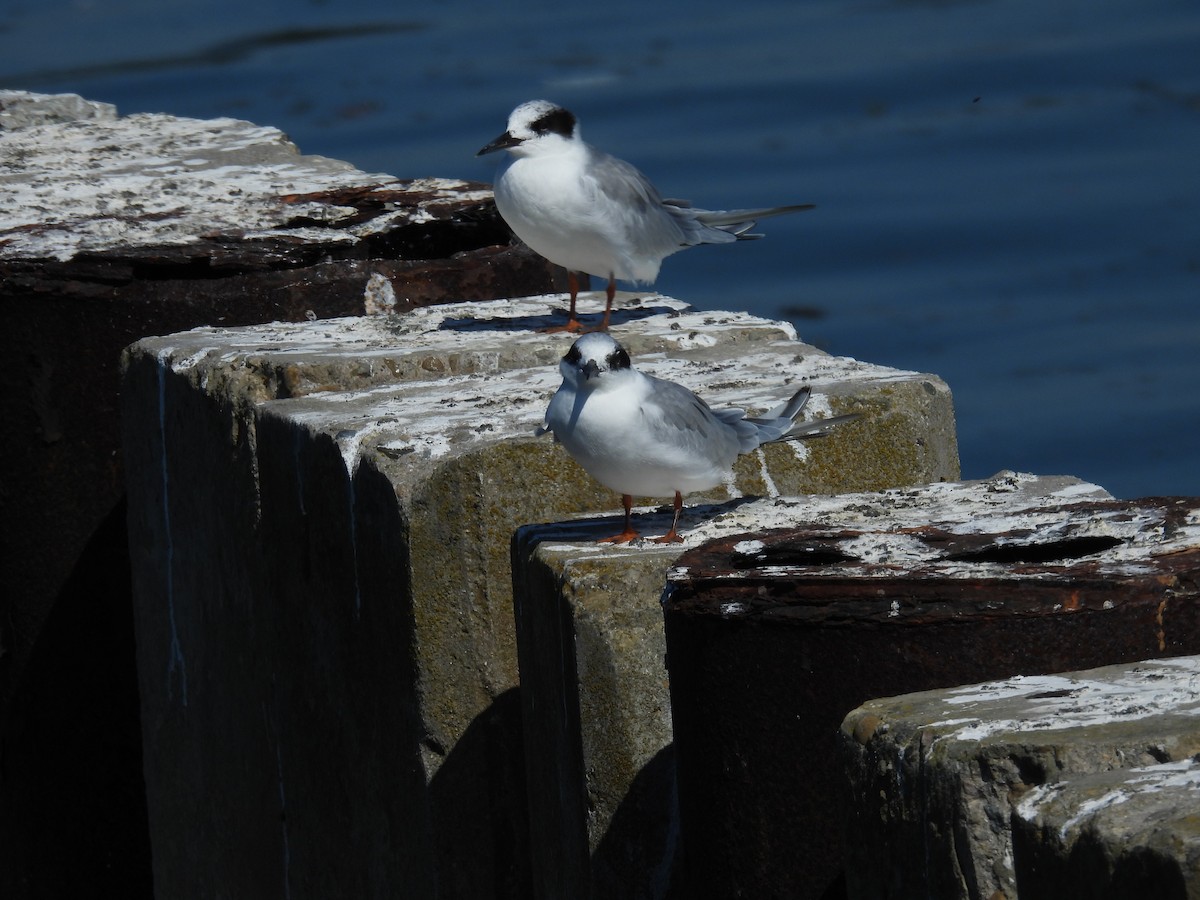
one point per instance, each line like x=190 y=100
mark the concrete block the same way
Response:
x=321 y=516
x=597 y=717
x=940 y=780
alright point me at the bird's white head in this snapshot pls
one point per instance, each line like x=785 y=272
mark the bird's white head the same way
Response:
x=536 y=126
x=594 y=361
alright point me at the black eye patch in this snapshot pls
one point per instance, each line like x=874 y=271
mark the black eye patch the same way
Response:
x=618 y=359
x=572 y=355
x=557 y=121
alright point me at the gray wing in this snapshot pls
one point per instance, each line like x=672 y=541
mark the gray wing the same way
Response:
x=667 y=225
x=664 y=225
x=647 y=221
x=779 y=423
x=818 y=427
x=621 y=182
x=789 y=408
x=679 y=418
x=738 y=222
x=685 y=419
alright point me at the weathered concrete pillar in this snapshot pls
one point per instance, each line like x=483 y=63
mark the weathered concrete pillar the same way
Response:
x=113 y=228
x=773 y=638
x=320 y=516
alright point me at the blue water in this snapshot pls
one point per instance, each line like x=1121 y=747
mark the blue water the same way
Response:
x=1008 y=192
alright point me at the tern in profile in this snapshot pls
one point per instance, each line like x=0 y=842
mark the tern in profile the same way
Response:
x=590 y=212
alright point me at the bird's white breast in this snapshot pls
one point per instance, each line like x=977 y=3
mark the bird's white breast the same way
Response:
x=606 y=432
x=563 y=218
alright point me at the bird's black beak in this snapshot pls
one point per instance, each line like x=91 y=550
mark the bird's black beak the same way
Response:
x=503 y=142
x=590 y=370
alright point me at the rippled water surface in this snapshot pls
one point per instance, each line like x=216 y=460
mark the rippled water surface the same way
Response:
x=1008 y=192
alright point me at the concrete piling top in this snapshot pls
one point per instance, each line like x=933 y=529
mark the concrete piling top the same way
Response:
x=1010 y=526
x=373 y=378
x=1071 y=701
x=83 y=179
x=451 y=339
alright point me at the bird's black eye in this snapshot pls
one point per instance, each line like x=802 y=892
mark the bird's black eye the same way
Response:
x=572 y=355
x=618 y=359
x=558 y=121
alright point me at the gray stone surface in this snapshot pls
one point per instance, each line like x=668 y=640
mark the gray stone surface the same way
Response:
x=597 y=714
x=1119 y=833
x=937 y=778
x=592 y=645
x=321 y=516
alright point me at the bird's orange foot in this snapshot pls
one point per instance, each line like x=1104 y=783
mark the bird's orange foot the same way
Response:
x=623 y=538
x=671 y=537
x=574 y=326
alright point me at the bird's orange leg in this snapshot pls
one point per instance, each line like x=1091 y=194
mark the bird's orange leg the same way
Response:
x=628 y=534
x=573 y=324
x=672 y=536
x=609 y=293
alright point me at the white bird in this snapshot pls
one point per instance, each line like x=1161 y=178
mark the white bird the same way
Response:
x=593 y=213
x=643 y=436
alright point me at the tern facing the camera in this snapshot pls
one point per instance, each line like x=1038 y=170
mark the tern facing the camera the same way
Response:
x=643 y=436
